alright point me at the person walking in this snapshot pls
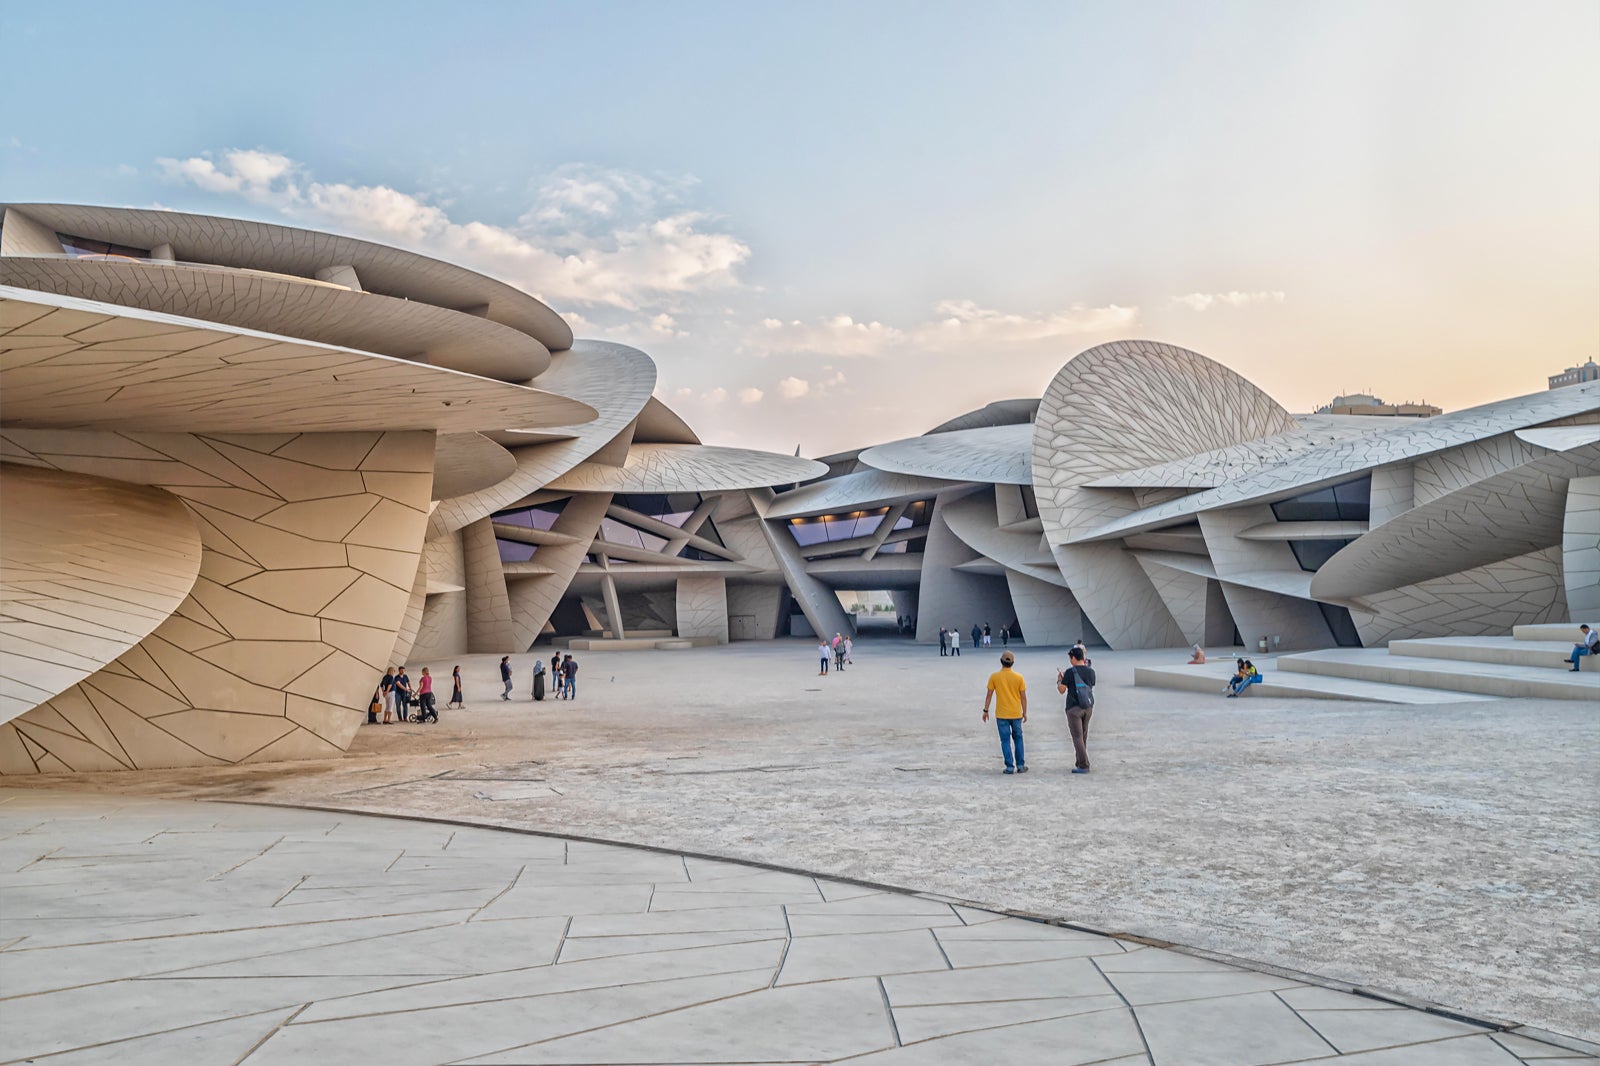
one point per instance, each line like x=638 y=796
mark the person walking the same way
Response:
x=455 y=688
x=538 y=680
x=1010 y=694
x=977 y=634
x=838 y=653
x=1589 y=645
x=955 y=641
x=1005 y=635
x=849 y=647
x=1077 y=683
x=988 y=636
x=426 y=707
x=569 y=678
x=944 y=642
x=505 y=677
x=825 y=653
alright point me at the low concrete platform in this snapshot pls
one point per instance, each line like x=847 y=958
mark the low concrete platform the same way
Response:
x=1519 y=651
x=1212 y=679
x=1485 y=678
x=666 y=643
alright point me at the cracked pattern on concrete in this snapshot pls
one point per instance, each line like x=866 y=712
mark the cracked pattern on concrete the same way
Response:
x=161 y=931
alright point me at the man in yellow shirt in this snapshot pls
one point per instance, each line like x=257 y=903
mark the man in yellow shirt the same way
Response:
x=1010 y=694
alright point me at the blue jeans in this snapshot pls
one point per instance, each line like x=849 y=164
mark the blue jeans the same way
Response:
x=1011 y=734
x=1577 y=651
x=570 y=689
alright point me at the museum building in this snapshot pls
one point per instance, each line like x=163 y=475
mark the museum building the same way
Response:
x=246 y=467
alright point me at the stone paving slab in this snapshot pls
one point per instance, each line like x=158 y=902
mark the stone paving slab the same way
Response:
x=201 y=957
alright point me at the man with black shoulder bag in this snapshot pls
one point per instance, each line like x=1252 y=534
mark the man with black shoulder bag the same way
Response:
x=1078 y=685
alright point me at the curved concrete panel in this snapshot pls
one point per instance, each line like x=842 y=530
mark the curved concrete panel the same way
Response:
x=1345 y=459
x=615 y=379
x=1499 y=517
x=309 y=552
x=660 y=424
x=972 y=519
x=287 y=250
x=468 y=462
x=688 y=468
x=71 y=362
x=849 y=492
x=998 y=413
x=1119 y=407
x=997 y=455
x=88 y=568
x=292 y=307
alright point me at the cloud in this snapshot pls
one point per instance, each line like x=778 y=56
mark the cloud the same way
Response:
x=956 y=325
x=750 y=395
x=716 y=395
x=840 y=335
x=793 y=388
x=591 y=236
x=1200 y=301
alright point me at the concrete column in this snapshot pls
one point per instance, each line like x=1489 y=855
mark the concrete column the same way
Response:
x=703 y=607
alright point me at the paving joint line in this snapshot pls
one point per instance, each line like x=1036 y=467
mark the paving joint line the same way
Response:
x=1399 y=999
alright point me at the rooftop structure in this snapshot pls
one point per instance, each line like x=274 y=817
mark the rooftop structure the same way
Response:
x=1576 y=375
x=1364 y=404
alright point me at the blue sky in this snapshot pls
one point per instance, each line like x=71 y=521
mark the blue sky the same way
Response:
x=838 y=223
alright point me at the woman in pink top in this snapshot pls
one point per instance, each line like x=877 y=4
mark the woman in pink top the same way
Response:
x=430 y=713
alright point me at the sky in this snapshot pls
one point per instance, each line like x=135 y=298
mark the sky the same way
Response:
x=834 y=224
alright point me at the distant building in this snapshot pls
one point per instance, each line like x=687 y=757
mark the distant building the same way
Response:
x=1576 y=375
x=1361 y=403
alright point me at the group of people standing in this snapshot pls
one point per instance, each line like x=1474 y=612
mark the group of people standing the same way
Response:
x=563 y=675
x=395 y=696
x=982 y=636
x=1009 y=693
x=838 y=651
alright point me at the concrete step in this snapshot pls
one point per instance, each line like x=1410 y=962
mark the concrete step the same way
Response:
x=1503 y=680
x=1522 y=651
x=1566 y=632
x=1212 y=680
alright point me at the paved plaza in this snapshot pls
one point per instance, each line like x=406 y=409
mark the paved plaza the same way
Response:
x=1440 y=853
x=159 y=931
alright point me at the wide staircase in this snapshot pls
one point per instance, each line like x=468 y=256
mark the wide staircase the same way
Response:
x=1532 y=662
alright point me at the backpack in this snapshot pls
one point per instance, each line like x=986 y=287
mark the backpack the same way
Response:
x=1082 y=693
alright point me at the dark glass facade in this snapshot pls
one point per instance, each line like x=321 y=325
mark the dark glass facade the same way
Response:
x=1311 y=554
x=82 y=247
x=1350 y=502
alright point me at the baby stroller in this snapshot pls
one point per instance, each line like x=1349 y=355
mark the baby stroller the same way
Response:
x=428 y=709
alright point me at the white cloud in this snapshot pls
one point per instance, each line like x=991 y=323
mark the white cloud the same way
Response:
x=1200 y=301
x=716 y=395
x=591 y=237
x=793 y=388
x=840 y=335
x=682 y=392
x=750 y=395
x=958 y=324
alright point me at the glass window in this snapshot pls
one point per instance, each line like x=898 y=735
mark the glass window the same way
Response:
x=514 y=551
x=1030 y=502
x=1349 y=502
x=543 y=516
x=1312 y=554
x=81 y=247
x=1341 y=625
x=616 y=532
